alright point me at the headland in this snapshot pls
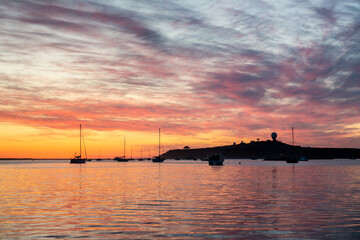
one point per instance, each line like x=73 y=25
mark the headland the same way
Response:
x=263 y=150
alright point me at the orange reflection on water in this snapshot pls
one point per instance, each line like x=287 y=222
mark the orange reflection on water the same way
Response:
x=175 y=200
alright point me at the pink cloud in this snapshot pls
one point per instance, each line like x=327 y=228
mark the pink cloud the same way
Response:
x=121 y=67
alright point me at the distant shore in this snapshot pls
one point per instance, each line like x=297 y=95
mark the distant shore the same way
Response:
x=16 y=159
x=253 y=150
x=263 y=150
x=31 y=159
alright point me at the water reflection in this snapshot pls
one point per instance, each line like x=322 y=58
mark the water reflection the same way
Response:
x=180 y=200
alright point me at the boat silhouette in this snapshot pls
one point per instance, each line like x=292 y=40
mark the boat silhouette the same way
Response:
x=216 y=159
x=158 y=158
x=79 y=159
x=122 y=159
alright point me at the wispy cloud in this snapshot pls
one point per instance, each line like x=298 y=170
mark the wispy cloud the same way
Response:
x=245 y=68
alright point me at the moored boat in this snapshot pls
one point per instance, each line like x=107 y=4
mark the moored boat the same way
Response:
x=216 y=159
x=292 y=159
x=158 y=158
x=122 y=159
x=79 y=159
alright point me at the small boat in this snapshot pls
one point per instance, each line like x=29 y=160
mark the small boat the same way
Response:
x=292 y=160
x=216 y=159
x=141 y=158
x=122 y=159
x=158 y=158
x=79 y=159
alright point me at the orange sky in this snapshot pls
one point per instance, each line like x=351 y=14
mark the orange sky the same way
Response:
x=24 y=141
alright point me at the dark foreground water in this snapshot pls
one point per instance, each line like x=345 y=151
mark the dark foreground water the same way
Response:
x=180 y=200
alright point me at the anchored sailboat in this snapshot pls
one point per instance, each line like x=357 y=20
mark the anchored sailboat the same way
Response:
x=158 y=158
x=294 y=158
x=122 y=159
x=79 y=159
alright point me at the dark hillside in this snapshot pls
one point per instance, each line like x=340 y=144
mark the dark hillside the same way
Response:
x=263 y=149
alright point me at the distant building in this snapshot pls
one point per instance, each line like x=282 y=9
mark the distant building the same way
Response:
x=186 y=148
x=274 y=136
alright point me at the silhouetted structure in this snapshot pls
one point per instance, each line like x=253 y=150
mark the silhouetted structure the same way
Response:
x=274 y=136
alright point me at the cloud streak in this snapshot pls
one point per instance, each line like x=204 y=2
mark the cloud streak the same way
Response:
x=245 y=69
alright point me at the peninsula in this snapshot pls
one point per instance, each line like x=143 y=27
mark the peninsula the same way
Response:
x=263 y=150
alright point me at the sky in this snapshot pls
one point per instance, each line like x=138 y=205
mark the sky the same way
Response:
x=207 y=73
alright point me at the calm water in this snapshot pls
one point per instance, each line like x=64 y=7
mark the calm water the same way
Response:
x=180 y=200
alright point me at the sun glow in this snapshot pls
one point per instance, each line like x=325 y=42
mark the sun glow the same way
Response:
x=25 y=141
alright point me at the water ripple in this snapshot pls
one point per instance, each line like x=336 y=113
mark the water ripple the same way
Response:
x=108 y=200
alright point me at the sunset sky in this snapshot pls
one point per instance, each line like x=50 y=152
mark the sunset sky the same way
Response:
x=207 y=73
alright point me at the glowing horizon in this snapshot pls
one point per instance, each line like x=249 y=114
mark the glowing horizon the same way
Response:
x=206 y=73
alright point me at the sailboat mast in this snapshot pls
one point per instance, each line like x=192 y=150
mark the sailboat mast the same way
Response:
x=292 y=130
x=80 y=140
x=159 y=142
x=124 y=146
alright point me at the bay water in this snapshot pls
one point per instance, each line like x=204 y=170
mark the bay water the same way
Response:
x=47 y=199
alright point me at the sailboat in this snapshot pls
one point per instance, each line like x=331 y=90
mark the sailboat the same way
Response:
x=301 y=158
x=292 y=158
x=141 y=158
x=158 y=158
x=79 y=159
x=122 y=159
x=295 y=158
